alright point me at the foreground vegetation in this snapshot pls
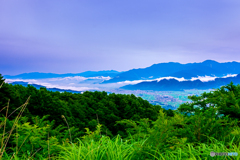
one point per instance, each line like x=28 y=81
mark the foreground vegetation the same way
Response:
x=40 y=124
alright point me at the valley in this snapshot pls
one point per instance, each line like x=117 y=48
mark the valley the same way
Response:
x=167 y=99
x=165 y=84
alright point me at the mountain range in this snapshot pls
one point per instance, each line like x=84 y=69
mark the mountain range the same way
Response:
x=174 y=69
x=37 y=75
x=175 y=85
x=171 y=69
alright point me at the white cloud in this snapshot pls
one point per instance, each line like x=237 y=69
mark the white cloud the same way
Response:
x=230 y=75
x=209 y=78
x=49 y=85
x=157 y=79
x=100 y=77
x=204 y=78
x=179 y=79
x=78 y=78
x=201 y=78
x=73 y=82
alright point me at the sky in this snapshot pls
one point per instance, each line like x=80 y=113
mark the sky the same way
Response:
x=73 y=36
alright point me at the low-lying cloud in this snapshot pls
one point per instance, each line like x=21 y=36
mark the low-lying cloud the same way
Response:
x=79 y=83
x=201 y=78
x=52 y=85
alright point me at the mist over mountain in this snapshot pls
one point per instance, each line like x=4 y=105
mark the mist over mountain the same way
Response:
x=37 y=75
x=25 y=84
x=175 y=85
x=158 y=77
x=174 y=69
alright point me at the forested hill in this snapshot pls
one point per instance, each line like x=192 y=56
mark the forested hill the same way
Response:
x=81 y=110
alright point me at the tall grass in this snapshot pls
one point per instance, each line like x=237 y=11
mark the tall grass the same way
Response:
x=116 y=149
x=105 y=148
x=6 y=135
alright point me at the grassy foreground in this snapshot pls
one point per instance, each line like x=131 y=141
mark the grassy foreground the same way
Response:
x=115 y=149
x=118 y=149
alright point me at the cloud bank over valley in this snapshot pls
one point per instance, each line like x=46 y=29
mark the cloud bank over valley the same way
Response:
x=78 y=83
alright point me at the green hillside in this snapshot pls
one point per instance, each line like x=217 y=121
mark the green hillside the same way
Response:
x=41 y=124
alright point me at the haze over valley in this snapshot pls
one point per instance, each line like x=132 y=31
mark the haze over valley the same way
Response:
x=167 y=91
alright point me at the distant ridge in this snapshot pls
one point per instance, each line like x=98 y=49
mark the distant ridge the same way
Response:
x=175 y=85
x=38 y=75
x=174 y=69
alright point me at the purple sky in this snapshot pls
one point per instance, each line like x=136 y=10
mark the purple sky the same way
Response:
x=72 y=36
